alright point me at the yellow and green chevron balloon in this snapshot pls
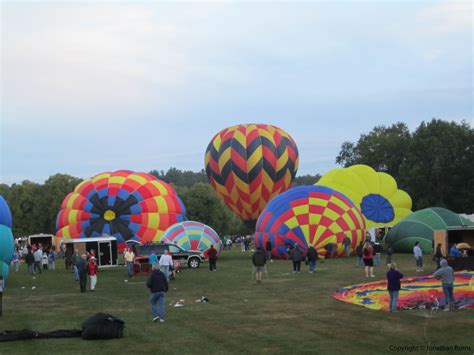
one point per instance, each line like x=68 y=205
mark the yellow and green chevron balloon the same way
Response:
x=249 y=164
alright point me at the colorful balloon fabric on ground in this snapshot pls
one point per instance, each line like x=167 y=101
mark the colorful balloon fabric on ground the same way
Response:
x=376 y=194
x=249 y=164
x=7 y=242
x=129 y=206
x=420 y=226
x=191 y=235
x=309 y=215
x=416 y=292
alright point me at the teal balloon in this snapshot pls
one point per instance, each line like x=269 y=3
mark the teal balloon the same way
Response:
x=4 y=270
x=7 y=244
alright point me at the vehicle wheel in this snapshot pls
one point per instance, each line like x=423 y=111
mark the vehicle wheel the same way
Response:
x=193 y=263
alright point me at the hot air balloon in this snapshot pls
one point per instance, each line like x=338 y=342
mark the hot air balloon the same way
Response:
x=7 y=242
x=309 y=215
x=376 y=194
x=249 y=164
x=192 y=235
x=127 y=205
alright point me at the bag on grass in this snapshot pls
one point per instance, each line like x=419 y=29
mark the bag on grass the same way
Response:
x=102 y=326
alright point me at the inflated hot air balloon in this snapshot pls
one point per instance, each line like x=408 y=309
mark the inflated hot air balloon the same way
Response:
x=376 y=194
x=249 y=164
x=129 y=206
x=192 y=235
x=7 y=242
x=309 y=215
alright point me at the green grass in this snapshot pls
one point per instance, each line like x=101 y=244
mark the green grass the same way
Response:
x=286 y=314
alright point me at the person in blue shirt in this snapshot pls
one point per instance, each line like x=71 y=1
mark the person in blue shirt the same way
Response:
x=454 y=251
x=153 y=258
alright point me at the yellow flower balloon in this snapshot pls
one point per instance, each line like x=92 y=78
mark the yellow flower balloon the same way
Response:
x=376 y=193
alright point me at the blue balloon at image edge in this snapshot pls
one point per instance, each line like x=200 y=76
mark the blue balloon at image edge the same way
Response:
x=4 y=270
x=5 y=213
x=7 y=244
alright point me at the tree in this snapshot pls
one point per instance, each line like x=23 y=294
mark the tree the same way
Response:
x=384 y=149
x=306 y=180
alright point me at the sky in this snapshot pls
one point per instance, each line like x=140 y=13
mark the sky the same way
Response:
x=88 y=87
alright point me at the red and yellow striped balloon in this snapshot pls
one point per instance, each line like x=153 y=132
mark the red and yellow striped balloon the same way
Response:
x=249 y=164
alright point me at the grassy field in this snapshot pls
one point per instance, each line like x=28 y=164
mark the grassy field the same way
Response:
x=287 y=314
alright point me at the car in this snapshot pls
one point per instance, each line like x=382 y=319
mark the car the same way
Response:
x=190 y=258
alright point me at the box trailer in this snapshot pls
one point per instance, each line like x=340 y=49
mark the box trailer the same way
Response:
x=456 y=235
x=105 y=249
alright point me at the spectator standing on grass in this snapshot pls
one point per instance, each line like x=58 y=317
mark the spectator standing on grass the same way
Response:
x=368 y=257
x=158 y=285
x=153 y=259
x=44 y=260
x=377 y=251
x=389 y=253
x=268 y=248
x=312 y=256
x=16 y=259
x=165 y=263
x=393 y=286
x=75 y=260
x=296 y=256
x=38 y=255
x=417 y=252
x=360 y=254
x=212 y=255
x=92 y=269
x=446 y=275
x=82 y=270
x=52 y=259
x=331 y=250
x=438 y=256
x=347 y=246
x=129 y=257
x=259 y=260
x=30 y=262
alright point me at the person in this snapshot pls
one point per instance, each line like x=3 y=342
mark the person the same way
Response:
x=165 y=264
x=347 y=246
x=454 y=251
x=296 y=256
x=331 y=250
x=92 y=269
x=438 y=256
x=52 y=260
x=393 y=286
x=153 y=259
x=38 y=255
x=368 y=257
x=360 y=254
x=30 y=262
x=212 y=255
x=268 y=248
x=312 y=256
x=68 y=258
x=129 y=257
x=418 y=257
x=446 y=274
x=389 y=253
x=377 y=253
x=75 y=260
x=44 y=260
x=16 y=259
x=259 y=260
x=82 y=271
x=158 y=285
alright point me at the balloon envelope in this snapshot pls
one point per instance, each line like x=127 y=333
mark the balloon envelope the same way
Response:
x=309 y=215
x=249 y=164
x=130 y=206
x=192 y=235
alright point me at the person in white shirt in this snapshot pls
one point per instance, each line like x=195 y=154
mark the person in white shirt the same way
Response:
x=418 y=257
x=165 y=263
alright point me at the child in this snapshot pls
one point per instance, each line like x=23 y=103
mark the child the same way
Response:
x=44 y=261
x=92 y=271
x=52 y=260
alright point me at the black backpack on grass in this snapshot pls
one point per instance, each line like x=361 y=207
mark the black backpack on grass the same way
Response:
x=102 y=326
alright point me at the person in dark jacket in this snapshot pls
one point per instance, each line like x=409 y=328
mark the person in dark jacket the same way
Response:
x=212 y=255
x=312 y=256
x=360 y=254
x=296 y=256
x=331 y=250
x=347 y=246
x=82 y=271
x=389 y=253
x=268 y=248
x=393 y=286
x=259 y=260
x=30 y=261
x=158 y=287
x=438 y=256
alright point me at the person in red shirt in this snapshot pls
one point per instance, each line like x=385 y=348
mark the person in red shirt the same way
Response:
x=92 y=269
x=368 y=257
x=212 y=255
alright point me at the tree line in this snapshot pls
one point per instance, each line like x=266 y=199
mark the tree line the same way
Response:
x=433 y=164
